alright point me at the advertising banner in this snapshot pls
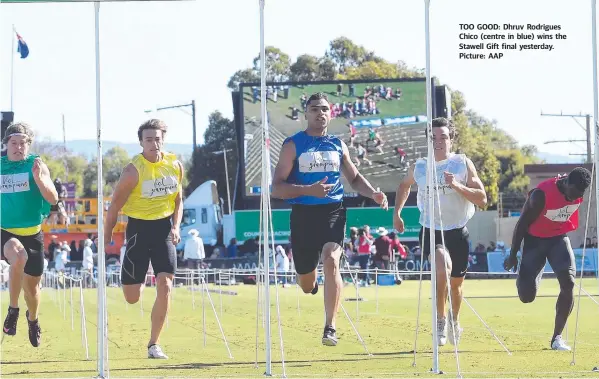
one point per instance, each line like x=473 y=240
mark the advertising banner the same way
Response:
x=247 y=223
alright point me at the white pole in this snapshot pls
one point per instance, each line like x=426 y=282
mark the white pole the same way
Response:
x=102 y=329
x=12 y=66
x=227 y=177
x=595 y=97
x=265 y=192
x=431 y=186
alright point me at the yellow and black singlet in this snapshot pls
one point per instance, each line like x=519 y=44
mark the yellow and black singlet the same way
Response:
x=153 y=197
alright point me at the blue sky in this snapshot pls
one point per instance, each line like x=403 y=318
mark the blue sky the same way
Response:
x=164 y=53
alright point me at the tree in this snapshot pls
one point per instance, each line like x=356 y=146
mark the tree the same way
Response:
x=345 y=53
x=470 y=142
x=248 y=75
x=327 y=69
x=305 y=68
x=207 y=162
x=277 y=65
x=372 y=70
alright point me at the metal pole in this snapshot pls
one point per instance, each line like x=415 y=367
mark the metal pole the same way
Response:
x=588 y=131
x=431 y=182
x=227 y=178
x=12 y=67
x=102 y=331
x=193 y=117
x=265 y=190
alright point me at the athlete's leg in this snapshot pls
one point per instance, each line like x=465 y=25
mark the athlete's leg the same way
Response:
x=331 y=255
x=459 y=250
x=16 y=256
x=307 y=282
x=164 y=262
x=561 y=259
x=32 y=294
x=164 y=284
x=534 y=257
x=443 y=269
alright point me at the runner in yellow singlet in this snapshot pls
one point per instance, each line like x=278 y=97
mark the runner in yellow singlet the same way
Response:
x=149 y=193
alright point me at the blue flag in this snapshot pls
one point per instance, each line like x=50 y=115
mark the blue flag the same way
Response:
x=22 y=48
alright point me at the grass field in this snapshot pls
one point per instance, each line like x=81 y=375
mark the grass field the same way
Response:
x=389 y=335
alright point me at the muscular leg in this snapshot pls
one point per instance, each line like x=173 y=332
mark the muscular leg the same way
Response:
x=307 y=282
x=17 y=258
x=456 y=296
x=132 y=292
x=443 y=268
x=32 y=294
x=531 y=269
x=331 y=254
x=164 y=285
x=561 y=259
x=565 y=302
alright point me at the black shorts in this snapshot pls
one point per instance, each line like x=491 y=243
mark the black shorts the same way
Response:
x=536 y=251
x=34 y=246
x=148 y=240
x=312 y=226
x=456 y=243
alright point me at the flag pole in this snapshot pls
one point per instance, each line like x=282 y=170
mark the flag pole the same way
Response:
x=12 y=66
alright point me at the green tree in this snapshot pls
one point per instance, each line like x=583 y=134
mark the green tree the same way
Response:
x=208 y=163
x=305 y=68
x=327 y=69
x=277 y=65
x=345 y=53
x=248 y=75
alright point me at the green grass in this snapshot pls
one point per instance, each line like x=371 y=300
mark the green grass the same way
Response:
x=413 y=102
x=389 y=335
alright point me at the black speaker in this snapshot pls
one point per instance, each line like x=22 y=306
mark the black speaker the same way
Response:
x=6 y=119
x=442 y=102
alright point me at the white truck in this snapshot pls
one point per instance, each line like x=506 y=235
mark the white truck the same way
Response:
x=202 y=210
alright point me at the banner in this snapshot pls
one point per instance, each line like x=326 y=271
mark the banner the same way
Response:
x=247 y=223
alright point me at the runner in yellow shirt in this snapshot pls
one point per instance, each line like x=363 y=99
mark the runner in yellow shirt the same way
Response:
x=149 y=193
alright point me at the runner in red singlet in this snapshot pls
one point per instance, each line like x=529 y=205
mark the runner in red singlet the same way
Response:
x=550 y=212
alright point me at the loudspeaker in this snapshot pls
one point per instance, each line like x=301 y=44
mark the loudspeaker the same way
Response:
x=442 y=102
x=6 y=119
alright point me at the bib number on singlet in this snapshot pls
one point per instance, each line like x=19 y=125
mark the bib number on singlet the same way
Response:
x=15 y=183
x=319 y=161
x=562 y=214
x=159 y=187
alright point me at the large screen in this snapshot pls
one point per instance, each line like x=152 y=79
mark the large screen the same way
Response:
x=381 y=121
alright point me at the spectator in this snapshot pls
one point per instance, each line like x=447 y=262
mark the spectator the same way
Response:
x=194 y=253
x=594 y=242
x=364 y=246
x=383 y=253
x=232 y=248
x=52 y=248
x=88 y=262
x=282 y=265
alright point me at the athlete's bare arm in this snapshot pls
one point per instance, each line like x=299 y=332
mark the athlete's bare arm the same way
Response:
x=401 y=196
x=283 y=190
x=357 y=181
x=178 y=214
x=41 y=175
x=530 y=212
x=474 y=190
x=123 y=189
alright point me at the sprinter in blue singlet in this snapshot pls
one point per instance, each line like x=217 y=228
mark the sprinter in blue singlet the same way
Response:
x=308 y=176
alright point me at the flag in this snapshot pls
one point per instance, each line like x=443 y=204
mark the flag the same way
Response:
x=22 y=47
